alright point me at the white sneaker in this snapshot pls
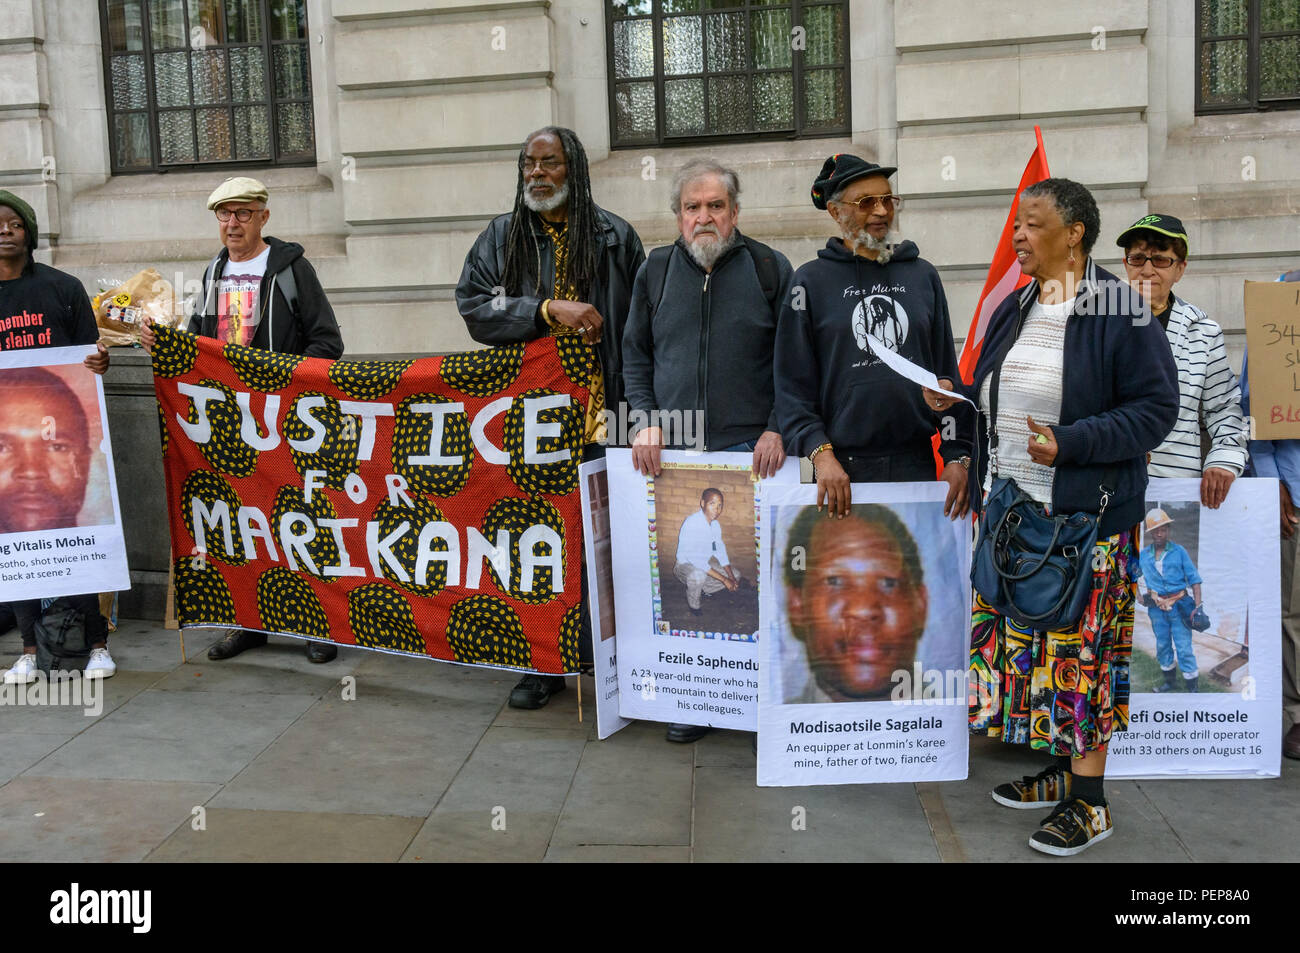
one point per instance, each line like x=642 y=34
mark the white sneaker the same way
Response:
x=23 y=671
x=101 y=665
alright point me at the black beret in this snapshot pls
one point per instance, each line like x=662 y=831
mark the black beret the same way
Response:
x=841 y=169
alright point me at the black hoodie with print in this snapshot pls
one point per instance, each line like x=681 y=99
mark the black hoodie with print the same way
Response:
x=831 y=387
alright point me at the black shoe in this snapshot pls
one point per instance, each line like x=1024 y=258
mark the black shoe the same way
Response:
x=236 y=641
x=321 y=652
x=1171 y=682
x=696 y=612
x=1192 y=682
x=1074 y=826
x=534 y=691
x=687 y=734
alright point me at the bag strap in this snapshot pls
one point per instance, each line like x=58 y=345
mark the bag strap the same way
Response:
x=765 y=264
x=769 y=277
x=657 y=273
x=288 y=287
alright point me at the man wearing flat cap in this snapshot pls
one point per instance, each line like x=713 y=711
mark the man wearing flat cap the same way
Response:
x=41 y=307
x=837 y=402
x=260 y=292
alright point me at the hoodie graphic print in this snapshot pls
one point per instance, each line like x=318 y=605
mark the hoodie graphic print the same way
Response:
x=831 y=387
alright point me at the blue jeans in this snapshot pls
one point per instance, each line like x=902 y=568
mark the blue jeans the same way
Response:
x=1173 y=636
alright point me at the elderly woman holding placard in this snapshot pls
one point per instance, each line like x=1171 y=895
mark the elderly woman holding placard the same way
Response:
x=1075 y=385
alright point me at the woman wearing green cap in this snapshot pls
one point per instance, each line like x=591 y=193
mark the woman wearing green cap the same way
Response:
x=1155 y=257
x=41 y=307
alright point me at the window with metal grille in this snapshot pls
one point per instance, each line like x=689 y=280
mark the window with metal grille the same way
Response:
x=699 y=70
x=207 y=82
x=1248 y=55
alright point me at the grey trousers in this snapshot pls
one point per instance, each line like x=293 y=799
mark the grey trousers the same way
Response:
x=698 y=582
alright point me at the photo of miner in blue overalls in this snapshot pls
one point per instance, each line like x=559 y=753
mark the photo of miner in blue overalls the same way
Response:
x=1172 y=593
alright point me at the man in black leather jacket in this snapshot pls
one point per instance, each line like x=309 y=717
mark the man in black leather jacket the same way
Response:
x=555 y=264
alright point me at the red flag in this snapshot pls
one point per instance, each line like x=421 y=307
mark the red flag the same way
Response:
x=1004 y=273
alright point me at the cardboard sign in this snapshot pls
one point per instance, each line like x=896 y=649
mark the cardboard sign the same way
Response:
x=1273 y=341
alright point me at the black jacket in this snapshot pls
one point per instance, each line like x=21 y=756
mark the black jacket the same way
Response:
x=1119 y=396
x=831 y=387
x=509 y=319
x=708 y=346
x=312 y=331
x=44 y=302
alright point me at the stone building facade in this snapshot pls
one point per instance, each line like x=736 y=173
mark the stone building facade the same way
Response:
x=419 y=106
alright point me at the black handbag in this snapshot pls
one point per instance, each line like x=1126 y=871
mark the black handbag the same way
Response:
x=1194 y=616
x=1029 y=566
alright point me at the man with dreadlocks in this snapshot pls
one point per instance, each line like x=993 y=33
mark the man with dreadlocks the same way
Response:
x=555 y=264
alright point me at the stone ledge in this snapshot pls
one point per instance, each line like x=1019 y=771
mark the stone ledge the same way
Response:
x=351 y=11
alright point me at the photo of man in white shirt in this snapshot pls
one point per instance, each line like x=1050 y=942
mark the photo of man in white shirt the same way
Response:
x=703 y=565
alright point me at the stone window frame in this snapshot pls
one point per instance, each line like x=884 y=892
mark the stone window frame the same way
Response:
x=151 y=110
x=1252 y=36
x=800 y=127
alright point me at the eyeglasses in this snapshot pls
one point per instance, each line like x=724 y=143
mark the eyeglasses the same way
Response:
x=1161 y=262
x=869 y=202
x=527 y=165
x=242 y=215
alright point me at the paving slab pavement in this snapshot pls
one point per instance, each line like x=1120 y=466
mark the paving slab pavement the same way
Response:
x=381 y=758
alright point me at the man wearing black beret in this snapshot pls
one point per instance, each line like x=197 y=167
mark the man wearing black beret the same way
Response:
x=836 y=400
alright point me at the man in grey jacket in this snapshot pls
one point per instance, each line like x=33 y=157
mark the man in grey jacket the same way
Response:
x=698 y=346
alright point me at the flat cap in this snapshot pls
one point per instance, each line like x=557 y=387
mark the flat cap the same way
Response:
x=238 y=189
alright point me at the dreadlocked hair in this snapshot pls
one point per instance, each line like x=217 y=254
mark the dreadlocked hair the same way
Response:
x=523 y=269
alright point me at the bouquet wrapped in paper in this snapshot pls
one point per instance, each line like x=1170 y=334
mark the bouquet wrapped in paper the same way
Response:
x=120 y=311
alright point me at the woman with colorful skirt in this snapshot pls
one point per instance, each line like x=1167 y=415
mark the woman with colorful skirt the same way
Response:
x=1086 y=387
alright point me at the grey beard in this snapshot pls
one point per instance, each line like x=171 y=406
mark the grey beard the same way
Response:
x=706 y=254
x=861 y=238
x=557 y=198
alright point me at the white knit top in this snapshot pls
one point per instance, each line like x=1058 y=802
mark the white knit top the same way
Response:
x=1030 y=387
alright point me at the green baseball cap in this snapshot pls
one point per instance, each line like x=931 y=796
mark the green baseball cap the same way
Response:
x=1160 y=224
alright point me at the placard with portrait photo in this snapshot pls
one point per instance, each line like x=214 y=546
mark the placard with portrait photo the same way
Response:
x=594 y=484
x=1204 y=671
x=868 y=618
x=686 y=557
x=60 y=526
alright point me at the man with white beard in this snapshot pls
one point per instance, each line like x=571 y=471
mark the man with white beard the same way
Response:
x=555 y=264
x=700 y=336
x=838 y=403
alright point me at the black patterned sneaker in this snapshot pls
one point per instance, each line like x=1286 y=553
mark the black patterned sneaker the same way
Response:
x=1034 y=791
x=1074 y=826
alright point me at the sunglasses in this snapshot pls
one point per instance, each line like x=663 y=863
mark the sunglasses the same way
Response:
x=869 y=202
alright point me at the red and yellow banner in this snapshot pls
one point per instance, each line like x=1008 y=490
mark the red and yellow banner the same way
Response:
x=427 y=507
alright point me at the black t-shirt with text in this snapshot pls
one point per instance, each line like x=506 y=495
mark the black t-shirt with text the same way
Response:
x=45 y=307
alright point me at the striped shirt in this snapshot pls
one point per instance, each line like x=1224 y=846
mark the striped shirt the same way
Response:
x=1030 y=387
x=1207 y=392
